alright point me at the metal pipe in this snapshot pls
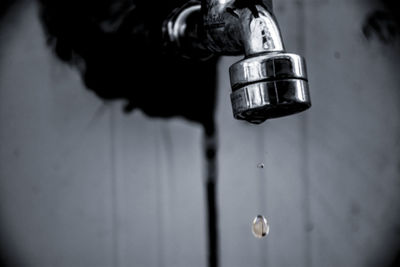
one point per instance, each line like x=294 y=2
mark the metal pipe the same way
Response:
x=235 y=28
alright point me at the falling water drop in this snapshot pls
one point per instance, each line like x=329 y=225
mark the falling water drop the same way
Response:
x=260 y=227
x=260 y=165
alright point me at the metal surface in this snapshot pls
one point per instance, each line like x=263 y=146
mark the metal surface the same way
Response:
x=267 y=67
x=268 y=82
x=232 y=28
x=181 y=31
x=270 y=99
x=269 y=86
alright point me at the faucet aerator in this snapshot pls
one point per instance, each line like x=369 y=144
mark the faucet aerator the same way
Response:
x=269 y=86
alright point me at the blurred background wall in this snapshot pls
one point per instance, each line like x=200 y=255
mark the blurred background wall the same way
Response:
x=82 y=184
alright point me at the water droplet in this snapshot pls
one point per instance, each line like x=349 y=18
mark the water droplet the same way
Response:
x=260 y=227
x=260 y=165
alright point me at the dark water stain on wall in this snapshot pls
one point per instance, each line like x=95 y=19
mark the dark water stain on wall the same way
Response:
x=122 y=54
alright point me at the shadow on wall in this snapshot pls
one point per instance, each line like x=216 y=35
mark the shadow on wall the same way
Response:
x=118 y=46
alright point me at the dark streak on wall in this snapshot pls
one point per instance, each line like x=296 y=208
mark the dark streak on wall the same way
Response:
x=119 y=48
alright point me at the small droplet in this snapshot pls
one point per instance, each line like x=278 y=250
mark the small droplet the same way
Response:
x=260 y=227
x=260 y=165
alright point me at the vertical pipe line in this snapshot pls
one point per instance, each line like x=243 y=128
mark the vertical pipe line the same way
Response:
x=210 y=149
x=114 y=196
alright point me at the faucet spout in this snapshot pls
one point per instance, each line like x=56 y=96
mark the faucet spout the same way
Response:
x=268 y=82
x=240 y=27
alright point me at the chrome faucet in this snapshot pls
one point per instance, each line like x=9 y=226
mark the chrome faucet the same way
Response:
x=268 y=82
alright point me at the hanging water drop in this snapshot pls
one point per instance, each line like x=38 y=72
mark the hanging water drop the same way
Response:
x=260 y=165
x=260 y=227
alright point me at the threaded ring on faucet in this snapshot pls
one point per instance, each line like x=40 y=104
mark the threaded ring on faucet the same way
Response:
x=269 y=66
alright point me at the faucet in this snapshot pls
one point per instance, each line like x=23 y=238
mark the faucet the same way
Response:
x=267 y=82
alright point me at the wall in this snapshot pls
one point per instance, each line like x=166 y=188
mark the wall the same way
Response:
x=82 y=184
